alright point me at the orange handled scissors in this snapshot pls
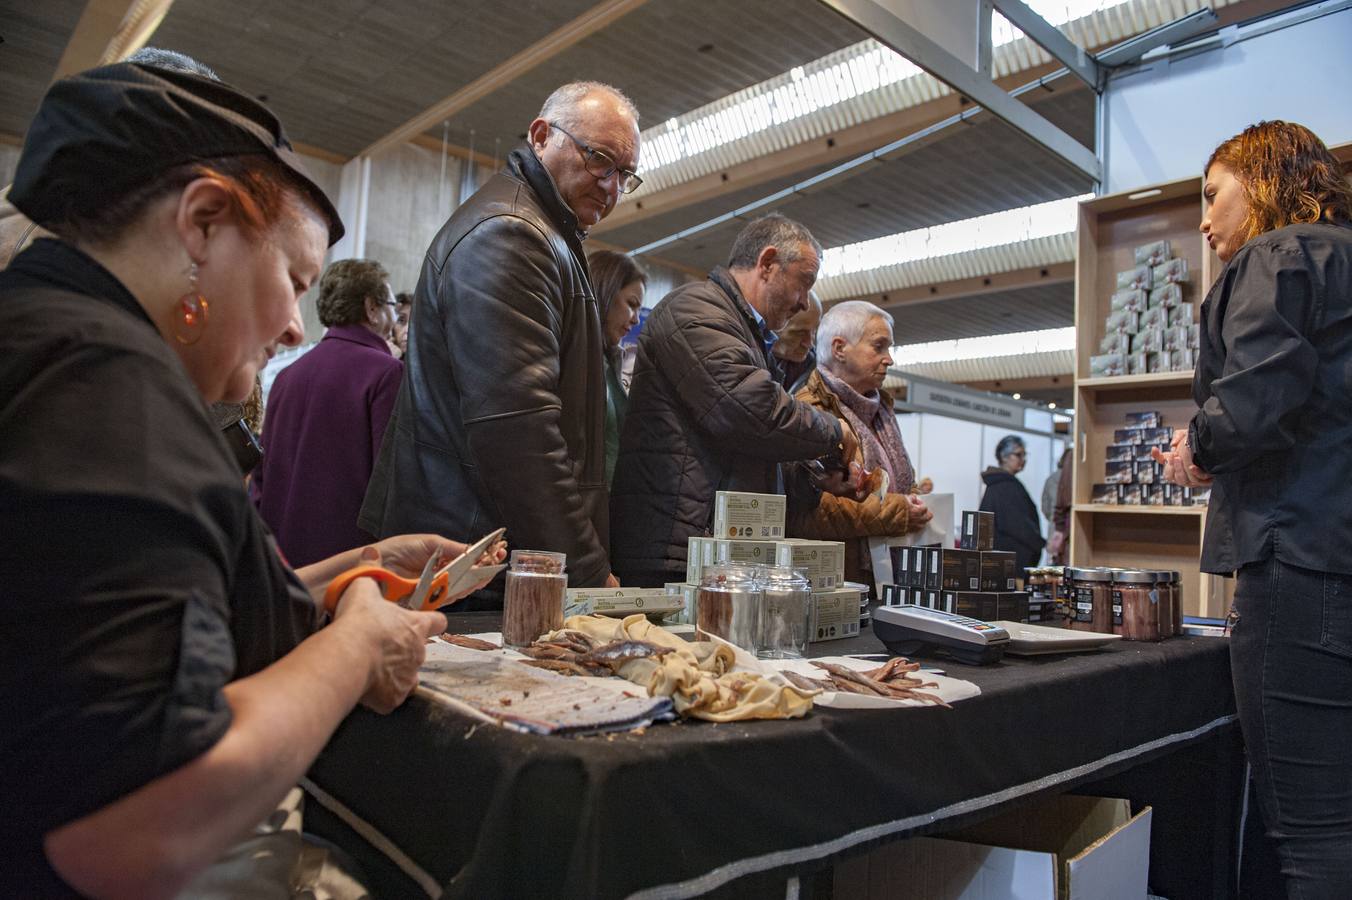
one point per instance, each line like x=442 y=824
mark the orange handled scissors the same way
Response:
x=432 y=589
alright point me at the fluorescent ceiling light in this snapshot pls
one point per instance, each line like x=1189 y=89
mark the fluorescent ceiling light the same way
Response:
x=1018 y=343
x=993 y=230
x=867 y=66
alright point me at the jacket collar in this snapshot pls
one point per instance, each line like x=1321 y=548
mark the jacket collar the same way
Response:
x=720 y=276
x=58 y=263
x=522 y=163
x=357 y=334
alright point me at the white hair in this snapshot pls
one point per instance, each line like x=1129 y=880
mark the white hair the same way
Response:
x=846 y=320
x=561 y=106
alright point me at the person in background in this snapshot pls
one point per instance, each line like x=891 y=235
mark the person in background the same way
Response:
x=619 y=284
x=795 y=344
x=326 y=416
x=854 y=352
x=403 y=312
x=1272 y=437
x=707 y=410
x=925 y=485
x=1017 y=528
x=1054 y=490
x=501 y=416
x=147 y=612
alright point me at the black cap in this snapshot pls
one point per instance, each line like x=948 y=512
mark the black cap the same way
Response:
x=104 y=132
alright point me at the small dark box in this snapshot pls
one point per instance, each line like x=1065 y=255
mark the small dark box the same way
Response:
x=978 y=530
x=997 y=570
x=953 y=570
x=972 y=604
x=895 y=595
x=1119 y=472
x=1012 y=606
x=1145 y=419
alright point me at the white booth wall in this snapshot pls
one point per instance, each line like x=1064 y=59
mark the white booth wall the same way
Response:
x=954 y=452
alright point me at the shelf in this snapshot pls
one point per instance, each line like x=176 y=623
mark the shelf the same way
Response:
x=1140 y=510
x=1126 y=382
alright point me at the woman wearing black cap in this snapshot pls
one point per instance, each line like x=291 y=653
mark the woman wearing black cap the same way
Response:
x=163 y=674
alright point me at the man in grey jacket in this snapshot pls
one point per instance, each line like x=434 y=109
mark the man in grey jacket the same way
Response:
x=501 y=413
x=707 y=410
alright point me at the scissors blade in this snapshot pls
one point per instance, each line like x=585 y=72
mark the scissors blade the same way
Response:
x=458 y=573
x=416 y=599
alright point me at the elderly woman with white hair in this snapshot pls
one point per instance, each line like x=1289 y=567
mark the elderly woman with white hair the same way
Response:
x=854 y=351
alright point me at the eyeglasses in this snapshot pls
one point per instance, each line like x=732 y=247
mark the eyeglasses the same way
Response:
x=600 y=166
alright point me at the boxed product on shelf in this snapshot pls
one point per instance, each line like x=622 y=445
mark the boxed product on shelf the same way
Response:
x=739 y=514
x=1104 y=494
x=1159 y=362
x=1183 y=360
x=1171 y=494
x=1180 y=315
x=1146 y=471
x=978 y=530
x=1175 y=339
x=1166 y=295
x=823 y=562
x=1143 y=451
x=905 y=570
x=1129 y=435
x=1152 y=494
x=1147 y=340
x=1195 y=335
x=1196 y=496
x=1119 y=472
x=1120 y=452
x=1129 y=494
x=835 y=614
x=1144 y=419
x=1139 y=277
x=1123 y=320
x=1107 y=365
x=1009 y=606
x=1151 y=254
x=1132 y=299
x=1115 y=342
x=1153 y=319
x=1173 y=271
x=1160 y=435
x=698 y=554
x=1138 y=363
x=896 y=594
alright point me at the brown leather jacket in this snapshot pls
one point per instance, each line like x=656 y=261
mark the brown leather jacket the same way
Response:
x=843 y=519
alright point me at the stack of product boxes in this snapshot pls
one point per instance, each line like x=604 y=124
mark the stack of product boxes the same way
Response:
x=973 y=580
x=1150 y=327
x=1131 y=475
x=749 y=530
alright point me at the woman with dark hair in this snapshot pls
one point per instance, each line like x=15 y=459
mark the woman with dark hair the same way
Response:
x=1273 y=439
x=165 y=679
x=1017 y=528
x=326 y=418
x=618 y=282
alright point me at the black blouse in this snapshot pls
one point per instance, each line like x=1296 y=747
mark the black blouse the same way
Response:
x=135 y=578
x=1274 y=383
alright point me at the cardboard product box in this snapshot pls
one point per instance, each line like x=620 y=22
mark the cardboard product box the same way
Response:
x=973 y=604
x=1152 y=495
x=1129 y=436
x=1196 y=496
x=926 y=598
x=1130 y=299
x=953 y=570
x=1041 y=609
x=1151 y=254
x=1123 y=320
x=1115 y=342
x=1146 y=471
x=1129 y=494
x=1143 y=453
x=1144 y=419
x=1068 y=847
x=1103 y=493
x=688 y=593
x=1121 y=452
x=997 y=570
x=1119 y=472
x=1171 y=494
x=1166 y=295
x=896 y=595
x=1153 y=320
x=694 y=560
x=1012 y=606
x=738 y=514
x=1173 y=271
x=1107 y=365
x=822 y=561
x=1138 y=363
x=1159 y=435
x=1180 y=316
x=978 y=530
x=907 y=565
x=1138 y=277
x=1183 y=360
x=649 y=601
x=835 y=614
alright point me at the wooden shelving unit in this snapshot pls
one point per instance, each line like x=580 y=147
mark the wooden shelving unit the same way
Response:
x=1163 y=537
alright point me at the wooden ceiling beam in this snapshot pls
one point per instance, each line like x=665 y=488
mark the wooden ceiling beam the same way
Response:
x=109 y=31
x=590 y=22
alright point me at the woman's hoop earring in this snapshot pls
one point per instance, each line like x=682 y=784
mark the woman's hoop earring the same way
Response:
x=190 y=312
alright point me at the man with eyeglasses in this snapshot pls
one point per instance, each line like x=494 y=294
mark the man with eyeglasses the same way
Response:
x=501 y=415
x=1017 y=527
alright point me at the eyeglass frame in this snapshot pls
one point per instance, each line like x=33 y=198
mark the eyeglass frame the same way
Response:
x=631 y=181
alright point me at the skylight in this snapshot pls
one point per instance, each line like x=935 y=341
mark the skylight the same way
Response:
x=825 y=82
x=1021 y=342
x=993 y=230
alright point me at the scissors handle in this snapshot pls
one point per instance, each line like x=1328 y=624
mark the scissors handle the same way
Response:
x=392 y=587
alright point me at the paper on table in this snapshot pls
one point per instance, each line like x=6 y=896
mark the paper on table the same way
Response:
x=493 y=686
x=938 y=531
x=948 y=689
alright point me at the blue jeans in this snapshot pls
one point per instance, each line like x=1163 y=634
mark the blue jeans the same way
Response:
x=1291 y=656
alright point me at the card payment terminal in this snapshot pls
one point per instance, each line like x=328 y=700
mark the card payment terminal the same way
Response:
x=906 y=630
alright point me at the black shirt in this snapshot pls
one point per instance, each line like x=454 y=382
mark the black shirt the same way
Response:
x=1274 y=383
x=135 y=578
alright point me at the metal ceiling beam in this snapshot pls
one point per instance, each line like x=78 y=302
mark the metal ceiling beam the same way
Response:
x=552 y=44
x=1079 y=61
x=109 y=31
x=902 y=37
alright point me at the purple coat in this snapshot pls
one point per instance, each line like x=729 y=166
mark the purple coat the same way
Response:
x=325 y=419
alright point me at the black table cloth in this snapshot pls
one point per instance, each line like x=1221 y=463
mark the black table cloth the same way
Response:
x=442 y=802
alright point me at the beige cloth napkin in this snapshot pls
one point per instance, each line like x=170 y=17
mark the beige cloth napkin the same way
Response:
x=697 y=675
